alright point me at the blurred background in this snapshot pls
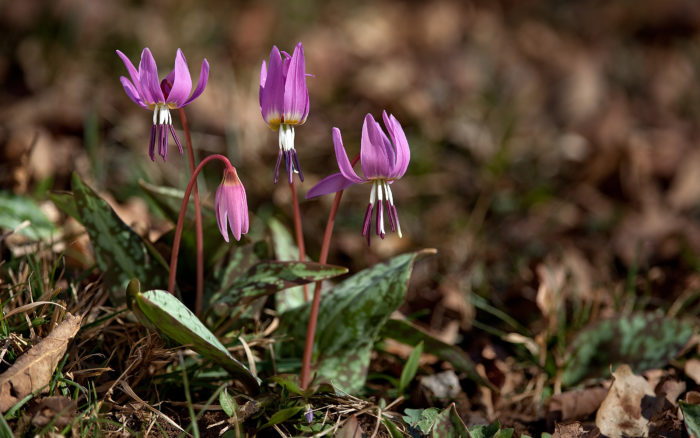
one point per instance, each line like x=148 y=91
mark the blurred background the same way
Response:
x=546 y=136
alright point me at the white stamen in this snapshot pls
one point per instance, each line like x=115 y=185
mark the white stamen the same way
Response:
x=379 y=205
x=286 y=137
x=389 y=195
x=155 y=115
x=373 y=193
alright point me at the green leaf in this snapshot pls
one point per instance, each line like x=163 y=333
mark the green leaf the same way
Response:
x=15 y=209
x=160 y=310
x=66 y=202
x=421 y=419
x=350 y=317
x=691 y=417
x=407 y=333
x=391 y=428
x=283 y=415
x=228 y=403
x=448 y=424
x=288 y=382
x=411 y=367
x=120 y=253
x=268 y=277
x=644 y=341
x=492 y=430
x=285 y=250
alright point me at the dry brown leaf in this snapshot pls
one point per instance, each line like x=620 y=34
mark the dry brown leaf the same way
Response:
x=33 y=370
x=574 y=430
x=56 y=410
x=577 y=404
x=692 y=369
x=620 y=414
x=351 y=429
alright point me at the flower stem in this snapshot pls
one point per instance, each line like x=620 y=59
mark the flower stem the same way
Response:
x=315 y=304
x=298 y=231
x=197 y=219
x=181 y=216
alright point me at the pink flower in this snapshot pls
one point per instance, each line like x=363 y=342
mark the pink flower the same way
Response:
x=383 y=161
x=171 y=93
x=284 y=102
x=231 y=205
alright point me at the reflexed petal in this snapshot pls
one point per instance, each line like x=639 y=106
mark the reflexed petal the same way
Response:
x=273 y=92
x=182 y=81
x=263 y=76
x=330 y=184
x=148 y=72
x=403 y=153
x=295 y=92
x=131 y=91
x=133 y=74
x=342 y=157
x=201 y=83
x=376 y=153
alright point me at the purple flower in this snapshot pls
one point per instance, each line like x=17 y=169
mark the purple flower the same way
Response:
x=284 y=102
x=231 y=205
x=171 y=93
x=383 y=161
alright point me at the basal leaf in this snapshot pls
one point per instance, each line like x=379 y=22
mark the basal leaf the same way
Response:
x=120 y=253
x=283 y=415
x=407 y=333
x=691 y=417
x=492 y=430
x=228 y=403
x=350 y=318
x=448 y=424
x=66 y=202
x=421 y=419
x=643 y=341
x=267 y=277
x=161 y=310
x=15 y=209
x=285 y=249
x=411 y=367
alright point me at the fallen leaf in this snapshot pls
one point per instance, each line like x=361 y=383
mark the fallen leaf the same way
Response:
x=577 y=404
x=692 y=369
x=620 y=414
x=33 y=370
x=574 y=430
x=351 y=429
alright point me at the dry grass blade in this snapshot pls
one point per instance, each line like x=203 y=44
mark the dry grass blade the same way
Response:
x=33 y=370
x=30 y=306
x=130 y=392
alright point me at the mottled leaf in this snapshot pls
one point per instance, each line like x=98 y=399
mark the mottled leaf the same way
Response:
x=492 y=430
x=410 y=334
x=285 y=250
x=160 y=310
x=643 y=341
x=268 y=277
x=691 y=417
x=421 y=419
x=350 y=318
x=15 y=209
x=448 y=424
x=66 y=202
x=120 y=253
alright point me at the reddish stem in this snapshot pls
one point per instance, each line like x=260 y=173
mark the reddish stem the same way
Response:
x=299 y=232
x=181 y=216
x=315 y=304
x=197 y=219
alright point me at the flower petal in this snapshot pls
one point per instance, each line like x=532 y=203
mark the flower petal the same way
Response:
x=342 y=158
x=220 y=207
x=263 y=77
x=330 y=184
x=273 y=92
x=296 y=94
x=201 y=83
x=376 y=153
x=403 y=152
x=182 y=81
x=148 y=73
x=133 y=74
x=131 y=91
